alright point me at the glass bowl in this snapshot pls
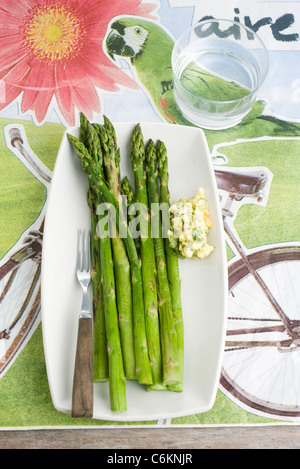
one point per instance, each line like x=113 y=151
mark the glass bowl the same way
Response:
x=218 y=67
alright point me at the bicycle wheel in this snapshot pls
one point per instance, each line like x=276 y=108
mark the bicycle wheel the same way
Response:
x=19 y=308
x=261 y=364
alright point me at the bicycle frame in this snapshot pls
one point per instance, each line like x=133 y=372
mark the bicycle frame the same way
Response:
x=254 y=189
x=27 y=249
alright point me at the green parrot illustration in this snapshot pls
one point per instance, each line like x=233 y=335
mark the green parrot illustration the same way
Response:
x=149 y=47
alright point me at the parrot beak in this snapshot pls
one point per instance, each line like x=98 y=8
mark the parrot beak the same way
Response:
x=116 y=45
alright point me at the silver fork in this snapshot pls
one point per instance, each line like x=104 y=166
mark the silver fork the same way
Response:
x=82 y=397
x=83 y=270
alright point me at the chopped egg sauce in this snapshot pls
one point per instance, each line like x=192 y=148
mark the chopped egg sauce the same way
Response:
x=189 y=226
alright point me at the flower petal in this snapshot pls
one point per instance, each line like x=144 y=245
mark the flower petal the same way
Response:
x=102 y=70
x=80 y=94
x=18 y=8
x=11 y=93
x=15 y=76
x=38 y=91
x=10 y=56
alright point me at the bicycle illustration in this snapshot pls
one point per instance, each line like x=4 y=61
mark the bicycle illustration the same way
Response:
x=262 y=351
x=20 y=268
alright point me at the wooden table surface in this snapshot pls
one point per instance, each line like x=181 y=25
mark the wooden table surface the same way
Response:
x=266 y=437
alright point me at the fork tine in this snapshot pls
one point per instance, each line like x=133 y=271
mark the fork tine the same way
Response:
x=83 y=251
x=85 y=255
x=88 y=251
x=79 y=248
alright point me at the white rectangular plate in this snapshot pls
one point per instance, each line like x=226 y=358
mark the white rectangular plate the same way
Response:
x=204 y=283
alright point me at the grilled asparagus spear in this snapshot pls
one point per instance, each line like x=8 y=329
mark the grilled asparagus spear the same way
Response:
x=172 y=262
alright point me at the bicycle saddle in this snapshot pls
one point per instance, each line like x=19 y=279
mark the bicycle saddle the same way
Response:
x=240 y=184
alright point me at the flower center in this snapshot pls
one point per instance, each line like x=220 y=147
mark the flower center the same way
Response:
x=53 y=33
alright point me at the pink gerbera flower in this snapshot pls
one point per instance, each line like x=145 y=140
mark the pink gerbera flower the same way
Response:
x=53 y=48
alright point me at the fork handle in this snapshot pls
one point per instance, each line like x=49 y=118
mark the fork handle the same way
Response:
x=82 y=398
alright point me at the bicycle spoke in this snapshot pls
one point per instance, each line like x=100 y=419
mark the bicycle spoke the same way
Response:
x=27 y=299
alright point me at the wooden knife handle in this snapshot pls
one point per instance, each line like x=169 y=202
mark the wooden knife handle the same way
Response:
x=82 y=398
